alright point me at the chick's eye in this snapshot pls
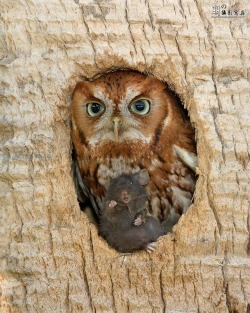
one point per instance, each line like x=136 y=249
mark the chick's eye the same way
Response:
x=141 y=106
x=94 y=108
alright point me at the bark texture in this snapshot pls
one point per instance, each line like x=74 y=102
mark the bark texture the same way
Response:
x=51 y=258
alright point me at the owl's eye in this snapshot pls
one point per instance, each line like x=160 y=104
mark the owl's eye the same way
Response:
x=94 y=108
x=141 y=106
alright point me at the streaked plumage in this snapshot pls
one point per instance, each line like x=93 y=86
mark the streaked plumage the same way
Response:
x=125 y=121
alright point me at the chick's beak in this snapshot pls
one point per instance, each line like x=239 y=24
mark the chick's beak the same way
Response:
x=117 y=127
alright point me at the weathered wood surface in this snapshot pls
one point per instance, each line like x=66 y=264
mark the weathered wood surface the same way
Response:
x=51 y=258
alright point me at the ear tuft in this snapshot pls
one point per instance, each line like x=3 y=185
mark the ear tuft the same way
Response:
x=79 y=89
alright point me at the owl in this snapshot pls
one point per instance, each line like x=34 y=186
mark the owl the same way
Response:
x=125 y=121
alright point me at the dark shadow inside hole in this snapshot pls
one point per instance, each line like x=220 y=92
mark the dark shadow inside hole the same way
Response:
x=166 y=148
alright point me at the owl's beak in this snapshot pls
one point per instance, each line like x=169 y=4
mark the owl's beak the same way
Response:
x=117 y=126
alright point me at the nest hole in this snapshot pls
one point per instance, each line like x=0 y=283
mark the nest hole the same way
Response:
x=124 y=122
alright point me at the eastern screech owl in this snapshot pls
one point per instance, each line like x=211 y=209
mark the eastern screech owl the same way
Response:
x=125 y=121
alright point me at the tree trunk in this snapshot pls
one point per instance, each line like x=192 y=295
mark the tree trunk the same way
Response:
x=51 y=257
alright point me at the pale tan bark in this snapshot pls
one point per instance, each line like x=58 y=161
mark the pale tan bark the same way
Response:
x=51 y=258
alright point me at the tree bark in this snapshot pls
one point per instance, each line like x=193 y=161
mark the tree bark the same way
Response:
x=51 y=257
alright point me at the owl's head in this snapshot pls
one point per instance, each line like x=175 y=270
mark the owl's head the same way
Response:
x=123 y=106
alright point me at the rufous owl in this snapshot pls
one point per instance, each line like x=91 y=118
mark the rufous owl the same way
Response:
x=125 y=121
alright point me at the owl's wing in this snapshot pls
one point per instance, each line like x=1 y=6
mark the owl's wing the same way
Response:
x=187 y=157
x=78 y=182
x=82 y=190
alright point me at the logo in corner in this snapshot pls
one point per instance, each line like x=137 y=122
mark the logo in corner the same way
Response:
x=226 y=11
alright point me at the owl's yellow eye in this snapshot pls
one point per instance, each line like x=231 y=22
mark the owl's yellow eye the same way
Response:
x=141 y=106
x=94 y=108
